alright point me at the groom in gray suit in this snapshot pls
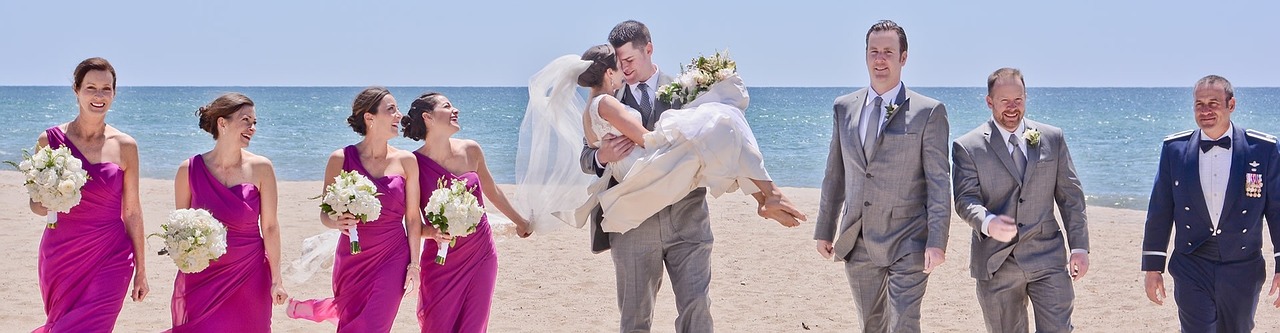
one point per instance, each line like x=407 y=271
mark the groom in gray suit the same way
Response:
x=679 y=235
x=886 y=189
x=1009 y=172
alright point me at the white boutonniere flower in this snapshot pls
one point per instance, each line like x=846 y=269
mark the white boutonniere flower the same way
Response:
x=889 y=109
x=1032 y=136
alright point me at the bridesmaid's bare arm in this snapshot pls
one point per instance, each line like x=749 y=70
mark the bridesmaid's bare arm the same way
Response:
x=36 y=207
x=182 y=186
x=264 y=175
x=412 y=217
x=132 y=214
x=490 y=189
x=332 y=169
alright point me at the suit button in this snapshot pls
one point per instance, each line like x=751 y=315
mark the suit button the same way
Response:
x=1186 y=208
x=866 y=203
x=1020 y=200
x=1188 y=243
x=1246 y=211
x=1188 y=226
x=868 y=175
x=1245 y=231
x=1175 y=183
x=1242 y=248
x=1021 y=225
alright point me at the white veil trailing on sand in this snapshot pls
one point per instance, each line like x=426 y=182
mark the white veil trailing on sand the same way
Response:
x=550 y=183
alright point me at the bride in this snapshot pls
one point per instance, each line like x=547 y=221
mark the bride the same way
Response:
x=706 y=144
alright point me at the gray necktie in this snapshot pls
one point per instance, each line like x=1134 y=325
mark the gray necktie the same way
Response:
x=1019 y=159
x=872 y=127
x=646 y=105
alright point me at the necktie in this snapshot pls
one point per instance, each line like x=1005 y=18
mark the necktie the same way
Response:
x=646 y=105
x=872 y=127
x=1224 y=142
x=1019 y=159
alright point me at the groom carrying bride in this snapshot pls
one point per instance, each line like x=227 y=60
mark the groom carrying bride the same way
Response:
x=678 y=236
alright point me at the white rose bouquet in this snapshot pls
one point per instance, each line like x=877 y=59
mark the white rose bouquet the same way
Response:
x=351 y=193
x=697 y=77
x=193 y=238
x=54 y=178
x=453 y=210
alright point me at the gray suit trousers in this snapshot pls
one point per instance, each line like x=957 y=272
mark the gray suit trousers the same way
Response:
x=680 y=241
x=1004 y=298
x=898 y=288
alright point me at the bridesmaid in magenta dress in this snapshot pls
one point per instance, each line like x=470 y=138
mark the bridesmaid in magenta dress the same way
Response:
x=456 y=296
x=368 y=287
x=235 y=293
x=87 y=260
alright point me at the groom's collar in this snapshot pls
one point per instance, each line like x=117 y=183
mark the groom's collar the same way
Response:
x=652 y=82
x=889 y=97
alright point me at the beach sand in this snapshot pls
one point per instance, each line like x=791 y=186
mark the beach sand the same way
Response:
x=765 y=278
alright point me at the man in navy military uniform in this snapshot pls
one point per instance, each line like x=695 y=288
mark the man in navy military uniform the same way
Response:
x=1214 y=186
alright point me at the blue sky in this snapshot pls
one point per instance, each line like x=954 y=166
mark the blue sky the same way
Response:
x=776 y=43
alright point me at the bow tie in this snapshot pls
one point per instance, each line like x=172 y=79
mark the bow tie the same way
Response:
x=1224 y=142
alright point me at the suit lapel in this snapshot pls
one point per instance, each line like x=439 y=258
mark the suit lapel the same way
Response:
x=1235 y=181
x=1191 y=157
x=997 y=146
x=854 y=112
x=902 y=100
x=1033 y=154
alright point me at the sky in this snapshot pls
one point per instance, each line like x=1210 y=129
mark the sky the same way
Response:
x=502 y=43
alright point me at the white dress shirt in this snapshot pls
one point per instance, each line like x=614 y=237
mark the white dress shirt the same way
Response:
x=1215 y=167
x=886 y=99
x=1004 y=135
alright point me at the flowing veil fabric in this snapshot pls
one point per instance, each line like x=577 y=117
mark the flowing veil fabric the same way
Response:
x=550 y=184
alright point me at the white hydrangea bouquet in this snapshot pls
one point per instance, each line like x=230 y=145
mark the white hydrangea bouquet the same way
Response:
x=351 y=193
x=193 y=238
x=453 y=210
x=697 y=77
x=54 y=178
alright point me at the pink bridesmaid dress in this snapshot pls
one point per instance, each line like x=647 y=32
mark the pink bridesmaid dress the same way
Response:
x=87 y=261
x=234 y=293
x=456 y=296
x=367 y=287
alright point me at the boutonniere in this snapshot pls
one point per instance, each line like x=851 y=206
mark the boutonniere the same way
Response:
x=1032 y=136
x=889 y=109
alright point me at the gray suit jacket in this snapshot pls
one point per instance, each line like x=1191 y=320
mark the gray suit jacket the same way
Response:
x=985 y=184
x=897 y=201
x=693 y=205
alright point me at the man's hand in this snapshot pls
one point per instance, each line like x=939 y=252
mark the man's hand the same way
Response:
x=1155 y=287
x=1275 y=287
x=933 y=257
x=826 y=249
x=1002 y=228
x=779 y=208
x=613 y=149
x=1078 y=266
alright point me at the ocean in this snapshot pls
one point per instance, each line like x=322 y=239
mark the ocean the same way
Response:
x=1114 y=133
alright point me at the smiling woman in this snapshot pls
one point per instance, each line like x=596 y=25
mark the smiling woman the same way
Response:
x=235 y=293
x=88 y=259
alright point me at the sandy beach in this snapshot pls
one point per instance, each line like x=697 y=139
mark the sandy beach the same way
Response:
x=766 y=278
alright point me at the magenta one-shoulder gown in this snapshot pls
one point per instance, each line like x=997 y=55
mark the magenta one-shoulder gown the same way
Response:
x=234 y=293
x=456 y=296
x=87 y=261
x=367 y=287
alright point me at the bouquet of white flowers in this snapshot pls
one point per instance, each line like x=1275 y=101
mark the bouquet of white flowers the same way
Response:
x=193 y=238
x=697 y=77
x=54 y=178
x=351 y=193
x=453 y=210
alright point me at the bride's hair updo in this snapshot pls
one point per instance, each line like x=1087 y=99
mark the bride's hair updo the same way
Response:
x=222 y=107
x=602 y=59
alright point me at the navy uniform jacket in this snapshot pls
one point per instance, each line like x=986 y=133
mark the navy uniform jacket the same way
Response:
x=1177 y=201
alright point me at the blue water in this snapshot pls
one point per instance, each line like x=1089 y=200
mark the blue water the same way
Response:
x=1114 y=133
